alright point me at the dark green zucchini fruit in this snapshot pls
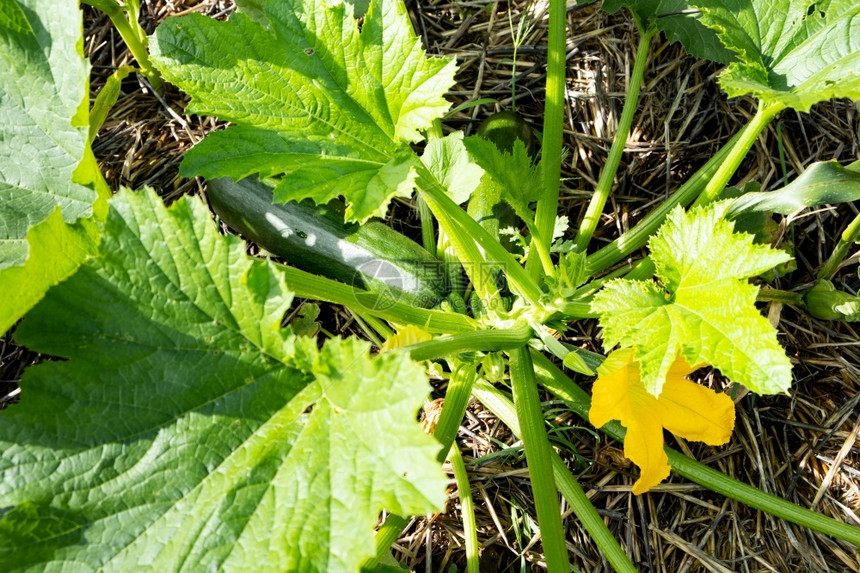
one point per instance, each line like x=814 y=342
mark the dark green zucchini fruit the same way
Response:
x=314 y=238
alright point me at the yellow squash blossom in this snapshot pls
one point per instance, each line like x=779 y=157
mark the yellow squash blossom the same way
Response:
x=685 y=408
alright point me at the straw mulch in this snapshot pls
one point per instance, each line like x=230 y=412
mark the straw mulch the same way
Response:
x=802 y=447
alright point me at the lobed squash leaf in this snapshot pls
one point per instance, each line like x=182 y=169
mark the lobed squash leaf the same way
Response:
x=47 y=172
x=792 y=53
x=701 y=306
x=186 y=431
x=341 y=105
x=679 y=20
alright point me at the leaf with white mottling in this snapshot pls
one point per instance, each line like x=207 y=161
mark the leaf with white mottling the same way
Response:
x=354 y=100
x=793 y=53
x=187 y=431
x=43 y=139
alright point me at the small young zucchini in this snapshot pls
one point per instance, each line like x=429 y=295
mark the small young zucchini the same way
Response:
x=505 y=127
x=485 y=205
x=314 y=238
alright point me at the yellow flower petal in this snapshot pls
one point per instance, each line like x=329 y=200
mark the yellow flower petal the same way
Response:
x=644 y=446
x=410 y=334
x=695 y=412
x=610 y=395
x=683 y=407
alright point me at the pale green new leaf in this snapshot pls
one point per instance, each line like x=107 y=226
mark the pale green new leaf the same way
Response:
x=791 y=53
x=701 y=305
x=187 y=431
x=353 y=99
x=43 y=139
x=570 y=273
x=448 y=160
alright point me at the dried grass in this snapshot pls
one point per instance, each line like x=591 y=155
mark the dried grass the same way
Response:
x=802 y=447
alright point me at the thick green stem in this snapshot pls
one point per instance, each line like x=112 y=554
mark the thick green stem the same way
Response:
x=454 y=407
x=849 y=236
x=761 y=119
x=467 y=511
x=469 y=255
x=501 y=407
x=428 y=234
x=776 y=295
x=636 y=237
x=479 y=340
x=704 y=186
x=643 y=269
x=579 y=402
x=307 y=285
x=368 y=331
x=610 y=168
x=133 y=36
x=577 y=309
x=754 y=497
x=496 y=254
x=539 y=459
x=542 y=248
x=553 y=125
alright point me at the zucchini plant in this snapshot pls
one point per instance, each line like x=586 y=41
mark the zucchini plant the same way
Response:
x=187 y=429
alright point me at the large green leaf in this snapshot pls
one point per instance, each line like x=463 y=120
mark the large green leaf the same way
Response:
x=822 y=183
x=343 y=104
x=43 y=139
x=679 y=21
x=792 y=53
x=186 y=431
x=447 y=159
x=701 y=305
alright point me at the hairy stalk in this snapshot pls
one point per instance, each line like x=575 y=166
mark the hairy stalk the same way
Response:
x=502 y=407
x=849 y=236
x=443 y=207
x=705 y=185
x=468 y=254
x=579 y=402
x=610 y=168
x=467 y=511
x=307 y=285
x=454 y=408
x=368 y=331
x=538 y=458
x=577 y=309
x=776 y=295
x=641 y=270
x=553 y=123
x=428 y=234
x=763 y=116
x=542 y=247
x=133 y=36
x=479 y=340
x=379 y=326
